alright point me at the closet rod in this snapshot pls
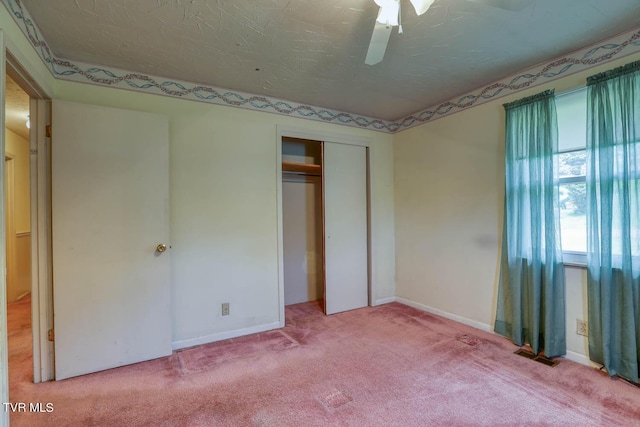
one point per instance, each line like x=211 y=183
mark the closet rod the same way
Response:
x=291 y=173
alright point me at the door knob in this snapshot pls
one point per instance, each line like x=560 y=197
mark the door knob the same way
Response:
x=161 y=248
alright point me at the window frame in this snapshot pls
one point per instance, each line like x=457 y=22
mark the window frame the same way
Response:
x=572 y=258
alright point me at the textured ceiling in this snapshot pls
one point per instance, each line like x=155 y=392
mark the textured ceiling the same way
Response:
x=313 y=52
x=17 y=108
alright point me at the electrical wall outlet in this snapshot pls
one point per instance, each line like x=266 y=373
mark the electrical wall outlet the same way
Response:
x=225 y=308
x=581 y=327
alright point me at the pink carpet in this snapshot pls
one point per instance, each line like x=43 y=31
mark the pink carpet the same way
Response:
x=380 y=366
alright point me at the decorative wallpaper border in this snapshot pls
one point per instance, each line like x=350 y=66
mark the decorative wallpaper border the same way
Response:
x=108 y=76
x=619 y=46
x=122 y=79
x=583 y=59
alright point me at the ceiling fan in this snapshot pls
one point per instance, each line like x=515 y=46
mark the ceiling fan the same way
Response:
x=389 y=17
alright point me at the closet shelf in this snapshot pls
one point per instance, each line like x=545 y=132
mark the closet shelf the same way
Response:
x=302 y=168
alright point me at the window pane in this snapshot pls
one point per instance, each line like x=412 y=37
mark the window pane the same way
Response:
x=572 y=164
x=572 y=120
x=573 y=216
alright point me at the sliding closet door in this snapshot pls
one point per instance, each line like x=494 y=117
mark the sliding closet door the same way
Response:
x=345 y=220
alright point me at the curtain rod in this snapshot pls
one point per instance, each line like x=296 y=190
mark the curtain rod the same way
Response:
x=570 y=91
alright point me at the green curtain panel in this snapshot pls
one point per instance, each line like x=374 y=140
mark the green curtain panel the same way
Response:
x=613 y=219
x=531 y=294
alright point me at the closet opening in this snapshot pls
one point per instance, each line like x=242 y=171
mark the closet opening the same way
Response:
x=303 y=224
x=323 y=224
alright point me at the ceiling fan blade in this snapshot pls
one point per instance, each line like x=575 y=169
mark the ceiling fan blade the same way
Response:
x=421 y=6
x=378 y=44
x=514 y=5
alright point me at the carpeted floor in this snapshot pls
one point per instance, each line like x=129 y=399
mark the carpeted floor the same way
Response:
x=20 y=342
x=380 y=366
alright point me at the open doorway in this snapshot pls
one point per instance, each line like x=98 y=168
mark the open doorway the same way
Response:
x=28 y=293
x=18 y=232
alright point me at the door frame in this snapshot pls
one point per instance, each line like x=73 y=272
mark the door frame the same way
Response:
x=9 y=217
x=15 y=60
x=293 y=132
x=4 y=350
x=41 y=255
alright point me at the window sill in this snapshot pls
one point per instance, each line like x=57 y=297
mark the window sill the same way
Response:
x=575 y=259
x=574 y=264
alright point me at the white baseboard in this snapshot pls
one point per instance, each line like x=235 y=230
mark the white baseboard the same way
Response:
x=177 y=345
x=581 y=359
x=384 y=301
x=446 y=315
x=23 y=295
x=571 y=355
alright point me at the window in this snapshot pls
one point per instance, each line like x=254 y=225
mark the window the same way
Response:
x=572 y=167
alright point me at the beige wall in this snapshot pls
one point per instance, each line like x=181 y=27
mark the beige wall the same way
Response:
x=18 y=147
x=223 y=208
x=19 y=241
x=23 y=264
x=449 y=191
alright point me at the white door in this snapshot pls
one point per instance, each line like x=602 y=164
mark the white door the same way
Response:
x=345 y=222
x=110 y=193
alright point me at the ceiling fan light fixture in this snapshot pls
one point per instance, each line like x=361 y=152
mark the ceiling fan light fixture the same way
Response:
x=389 y=12
x=421 y=6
